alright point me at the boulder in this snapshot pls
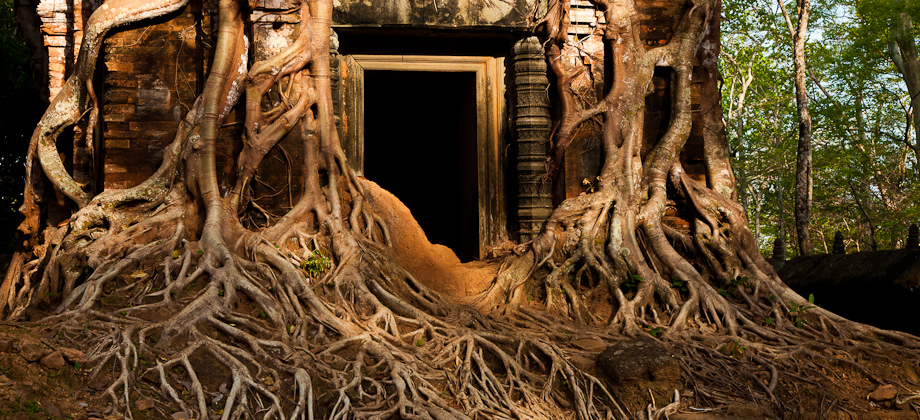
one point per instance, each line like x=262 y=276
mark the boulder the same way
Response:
x=145 y=404
x=639 y=360
x=32 y=349
x=73 y=355
x=884 y=393
x=7 y=342
x=54 y=360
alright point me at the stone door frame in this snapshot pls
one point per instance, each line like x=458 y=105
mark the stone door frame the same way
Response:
x=490 y=113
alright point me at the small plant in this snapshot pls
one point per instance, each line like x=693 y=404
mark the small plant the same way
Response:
x=419 y=342
x=220 y=292
x=262 y=314
x=26 y=407
x=633 y=282
x=679 y=284
x=654 y=332
x=738 y=281
x=200 y=252
x=734 y=349
x=176 y=253
x=797 y=312
x=769 y=321
x=734 y=284
x=316 y=264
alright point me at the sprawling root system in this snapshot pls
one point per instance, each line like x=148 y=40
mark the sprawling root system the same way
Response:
x=310 y=316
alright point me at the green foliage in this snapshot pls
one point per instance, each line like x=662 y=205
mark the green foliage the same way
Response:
x=866 y=179
x=729 y=289
x=316 y=264
x=31 y=410
x=797 y=312
x=654 y=332
x=633 y=281
x=733 y=349
x=679 y=284
x=20 y=108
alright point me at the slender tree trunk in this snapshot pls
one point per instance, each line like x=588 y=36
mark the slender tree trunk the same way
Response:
x=873 y=241
x=758 y=207
x=781 y=209
x=803 y=173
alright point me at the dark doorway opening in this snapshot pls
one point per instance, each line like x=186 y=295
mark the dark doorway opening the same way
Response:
x=420 y=144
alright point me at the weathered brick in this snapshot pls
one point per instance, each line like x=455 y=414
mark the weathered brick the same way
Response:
x=122 y=96
x=114 y=81
x=114 y=168
x=115 y=126
x=123 y=134
x=117 y=144
x=119 y=66
x=115 y=118
x=119 y=109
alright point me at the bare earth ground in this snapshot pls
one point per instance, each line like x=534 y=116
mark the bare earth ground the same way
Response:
x=62 y=389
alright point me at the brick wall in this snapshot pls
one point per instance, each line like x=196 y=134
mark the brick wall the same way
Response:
x=150 y=82
x=658 y=20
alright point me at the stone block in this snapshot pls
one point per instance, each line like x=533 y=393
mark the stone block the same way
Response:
x=639 y=359
x=119 y=66
x=73 y=355
x=118 y=109
x=32 y=349
x=54 y=360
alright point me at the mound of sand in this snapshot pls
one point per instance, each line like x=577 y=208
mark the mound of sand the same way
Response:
x=435 y=266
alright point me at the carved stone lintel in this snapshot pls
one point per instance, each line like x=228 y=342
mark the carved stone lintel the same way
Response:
x=532 y=126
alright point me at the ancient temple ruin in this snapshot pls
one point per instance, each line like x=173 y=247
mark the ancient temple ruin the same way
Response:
x=455 y=91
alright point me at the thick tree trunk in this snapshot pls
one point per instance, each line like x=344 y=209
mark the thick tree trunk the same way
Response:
x=905 y=57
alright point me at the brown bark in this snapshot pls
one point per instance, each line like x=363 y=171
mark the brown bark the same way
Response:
x=907 y=60
x=803 y=170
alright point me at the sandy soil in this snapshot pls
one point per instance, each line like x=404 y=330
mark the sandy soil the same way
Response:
x=436 y=266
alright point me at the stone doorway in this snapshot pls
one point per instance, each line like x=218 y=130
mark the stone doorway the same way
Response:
x=420 y=131
x=432 y=125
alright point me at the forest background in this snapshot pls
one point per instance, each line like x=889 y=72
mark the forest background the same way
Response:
x=865 y=145
x=866 y=175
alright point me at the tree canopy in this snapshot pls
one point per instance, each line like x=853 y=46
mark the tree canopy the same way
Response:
x=865 y=164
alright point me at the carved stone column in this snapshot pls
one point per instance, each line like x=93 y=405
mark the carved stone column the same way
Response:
x=335 y=78
x=532 y=124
